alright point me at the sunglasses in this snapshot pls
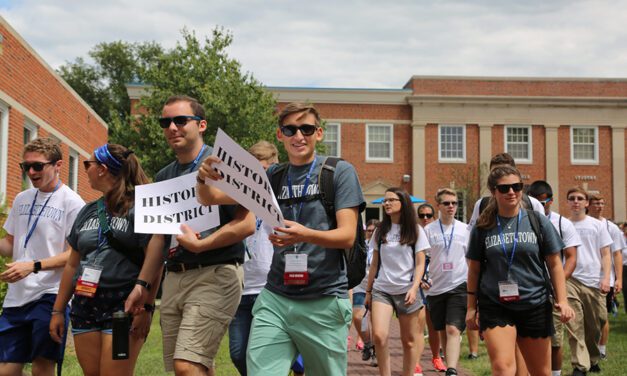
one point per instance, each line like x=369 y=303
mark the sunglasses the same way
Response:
x=305 y=130
x=179 y=121
x=86 y=164
x=449 y=203
x=36 y=166
x=576 y=198
x=504 y=188
x=544 y=202
x=425 y=215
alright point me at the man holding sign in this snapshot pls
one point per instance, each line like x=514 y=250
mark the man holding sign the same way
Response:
x=304 y=306
x=203 y=282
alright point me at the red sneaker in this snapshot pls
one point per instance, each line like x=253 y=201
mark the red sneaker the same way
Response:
x=418 y=370
x=438 y=364
x=360 y=345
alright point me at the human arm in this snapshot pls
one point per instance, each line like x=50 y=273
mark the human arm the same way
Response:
x=371 y=276
x=21 y=269
x=341 y=237
x=6 y=246
x=151 y=272
x=142 y=318
x=471 y=300
x=570 y=261
x=558 y=281
x=618 y=271
x=57 y=321
x=606 y=264
x=205 y=193
x=419 y=269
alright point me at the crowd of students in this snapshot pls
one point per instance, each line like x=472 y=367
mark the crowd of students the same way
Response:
x=516 y=272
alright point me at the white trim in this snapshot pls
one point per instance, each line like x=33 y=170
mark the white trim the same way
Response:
x=529 y=143
x=452 y=160
x=32 y=128
x=390 y=159
x=73 y=168
x=338 y=142
x=4 y=150
x=594 y=161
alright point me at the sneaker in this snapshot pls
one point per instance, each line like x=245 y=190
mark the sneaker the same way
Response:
x=473 y=356
x=367 y=352
x=595 y=368
x=359 y=345
x=373 y=361
x=418 y=370
x=450 y=372
x=603 y=356
x=438 y=364
x=578 y=372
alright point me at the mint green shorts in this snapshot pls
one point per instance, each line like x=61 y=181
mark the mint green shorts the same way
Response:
x=283 y=327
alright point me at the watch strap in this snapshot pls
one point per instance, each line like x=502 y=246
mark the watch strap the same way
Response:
x=143 y=283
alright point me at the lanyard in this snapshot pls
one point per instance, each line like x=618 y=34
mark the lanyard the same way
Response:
x=304 y=191
x=447 y=246
x=103 y=224
x=502 y=238
x=195 y=163
x=258 y=222
x=30 y=215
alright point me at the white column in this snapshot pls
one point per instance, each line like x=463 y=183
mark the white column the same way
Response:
x=552 y=160
x=618 y=172
x=418 y=159
x=485 y=154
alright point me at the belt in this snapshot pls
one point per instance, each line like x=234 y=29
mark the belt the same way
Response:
x=181 y=267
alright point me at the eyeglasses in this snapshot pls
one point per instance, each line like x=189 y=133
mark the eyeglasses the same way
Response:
x=390 y=200
x=86 y=164
x=425 y=215
x=179 y=121
x=544 y=202
x=449 y=203
x=36 y=166
x=305 y=130
x=370 y=230
x=597 y=203
x=504 y=188
x=576 y=198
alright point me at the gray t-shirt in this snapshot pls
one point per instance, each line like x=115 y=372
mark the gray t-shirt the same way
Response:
x=528 y=265
x=117 y=268
x=231 y=253
x=327 y=272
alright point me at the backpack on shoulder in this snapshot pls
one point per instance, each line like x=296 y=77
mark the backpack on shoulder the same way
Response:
x=355 y=257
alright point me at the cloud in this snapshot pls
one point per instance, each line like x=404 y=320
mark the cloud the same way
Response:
x=350 y=43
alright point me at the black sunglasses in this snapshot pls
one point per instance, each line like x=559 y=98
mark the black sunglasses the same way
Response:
x=504 y=188
x=87 y=163
x=425 y=215
x=449 y=203
x=179 y=121
x=305 y=129
x=37 y=166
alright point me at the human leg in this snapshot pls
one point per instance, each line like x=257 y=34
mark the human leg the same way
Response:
x=412 y=339
x=501 y=345
x=596 y=316
x=381 y=316
x=537 y=354
x=125 y=367
x=580 y=358
x=87 y=346
x=239 y=330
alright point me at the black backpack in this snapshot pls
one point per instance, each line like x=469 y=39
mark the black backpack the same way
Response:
x=355 y=257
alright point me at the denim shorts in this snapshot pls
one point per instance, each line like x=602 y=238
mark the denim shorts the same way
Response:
x=358 y=299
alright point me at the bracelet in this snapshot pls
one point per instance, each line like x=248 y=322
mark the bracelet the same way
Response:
x=149 y=307
x=369 y=291
x=199 y=180
x=143 y=283
x=471 y=293
x=55 y=312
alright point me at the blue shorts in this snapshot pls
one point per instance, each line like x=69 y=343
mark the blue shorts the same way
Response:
x=24 y=332
x=358 y=299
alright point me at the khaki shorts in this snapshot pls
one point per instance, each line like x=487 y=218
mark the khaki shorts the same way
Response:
x=196 y=308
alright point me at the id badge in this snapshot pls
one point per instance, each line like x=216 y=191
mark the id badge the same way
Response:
x=508 y=291
x=295 y=269
x=87 y=283
x=174 y=247
x=447 y=267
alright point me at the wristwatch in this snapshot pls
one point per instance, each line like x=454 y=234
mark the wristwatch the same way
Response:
x=36 y=266
x=143 y=283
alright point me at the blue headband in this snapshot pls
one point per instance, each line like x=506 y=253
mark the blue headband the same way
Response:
x=103 y=156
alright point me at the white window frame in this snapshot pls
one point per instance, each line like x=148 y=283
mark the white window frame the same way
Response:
x=390 y=159
x=452 y=160
x=73 y=169
x=460 y=214
x=32 y=128
x=4 y=150
x=596 y=146
x=529 y=143
x=338 y=142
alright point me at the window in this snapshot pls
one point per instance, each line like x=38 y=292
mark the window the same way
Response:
x=379 y=147
x=584 y=145
x=30 y=133
x=460 y=215
x=73 y=167
x=518 y=142
x=452 y=143
x=332 y=140
x=4 y=150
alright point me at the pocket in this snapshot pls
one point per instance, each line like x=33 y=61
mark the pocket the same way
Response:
x=345 y=310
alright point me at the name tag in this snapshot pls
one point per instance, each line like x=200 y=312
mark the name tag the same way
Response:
x=87 y=283
x=447 y=267
x=508 y=291
x=295 y=269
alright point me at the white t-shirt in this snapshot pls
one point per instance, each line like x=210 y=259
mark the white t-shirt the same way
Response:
x=47 y=239
x=257 y=259
x=396 y=261
x=363 y=285
x=618 y=244
x=594 y=236
x=447 y=269
x=537 y=206
x=569 y=235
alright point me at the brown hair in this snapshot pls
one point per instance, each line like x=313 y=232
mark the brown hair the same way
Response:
x=297 y=107
x=578 y=190
x=265 y=151
x=487 y=219
x=444 y=191
x=409 y=227
x=502 y=159
x=122 y=195
x=197 y=108
x=596 y=197
x=47 y=146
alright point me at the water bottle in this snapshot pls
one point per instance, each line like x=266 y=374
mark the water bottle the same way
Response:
x=120 y=346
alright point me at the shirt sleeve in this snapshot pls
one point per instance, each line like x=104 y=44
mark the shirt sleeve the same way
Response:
x=423 y=242
x=571 y=236
x=552 y=243
x=474 y=245
x=475 y=215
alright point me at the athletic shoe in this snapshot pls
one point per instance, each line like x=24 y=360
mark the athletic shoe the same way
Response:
x=359 y=345
x=603 y=356
x=373 y=361
x=438 y=364
x=451 y=372
x=472 y=356
x=595 y=368
x=418 y=370
x=578 y=372
x=367 y=352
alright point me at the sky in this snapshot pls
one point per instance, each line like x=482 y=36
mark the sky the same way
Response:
x=350 y=43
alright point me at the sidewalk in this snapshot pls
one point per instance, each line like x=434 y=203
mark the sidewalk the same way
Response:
x=357 y=367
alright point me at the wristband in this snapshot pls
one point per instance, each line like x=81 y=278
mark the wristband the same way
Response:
x=149 y=307
x=55 y=312
x=471 y=293
x=199 y=180
x=143 y=283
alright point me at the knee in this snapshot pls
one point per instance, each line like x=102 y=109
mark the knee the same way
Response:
x=503 y=367
x=380 y=340
x=185 y=368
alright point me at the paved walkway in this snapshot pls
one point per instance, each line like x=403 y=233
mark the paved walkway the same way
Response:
x=357 y=367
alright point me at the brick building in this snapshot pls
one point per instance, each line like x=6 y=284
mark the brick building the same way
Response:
x=36 y=102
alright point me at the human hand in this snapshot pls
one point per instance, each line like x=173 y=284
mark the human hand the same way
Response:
x=134 y=303
x=57 y=327
x=410 y=297
x=292 y=234
x=207 y=171
x=566 y=312
x=189 y=239
x=604 y=286
x=17 y=270
x=140 y=327
x=472 y=319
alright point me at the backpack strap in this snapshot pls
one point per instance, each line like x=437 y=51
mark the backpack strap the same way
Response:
x=379 y=241
x=278 y=173
x=527 y=201
x=535 y=226
x=326 y=187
